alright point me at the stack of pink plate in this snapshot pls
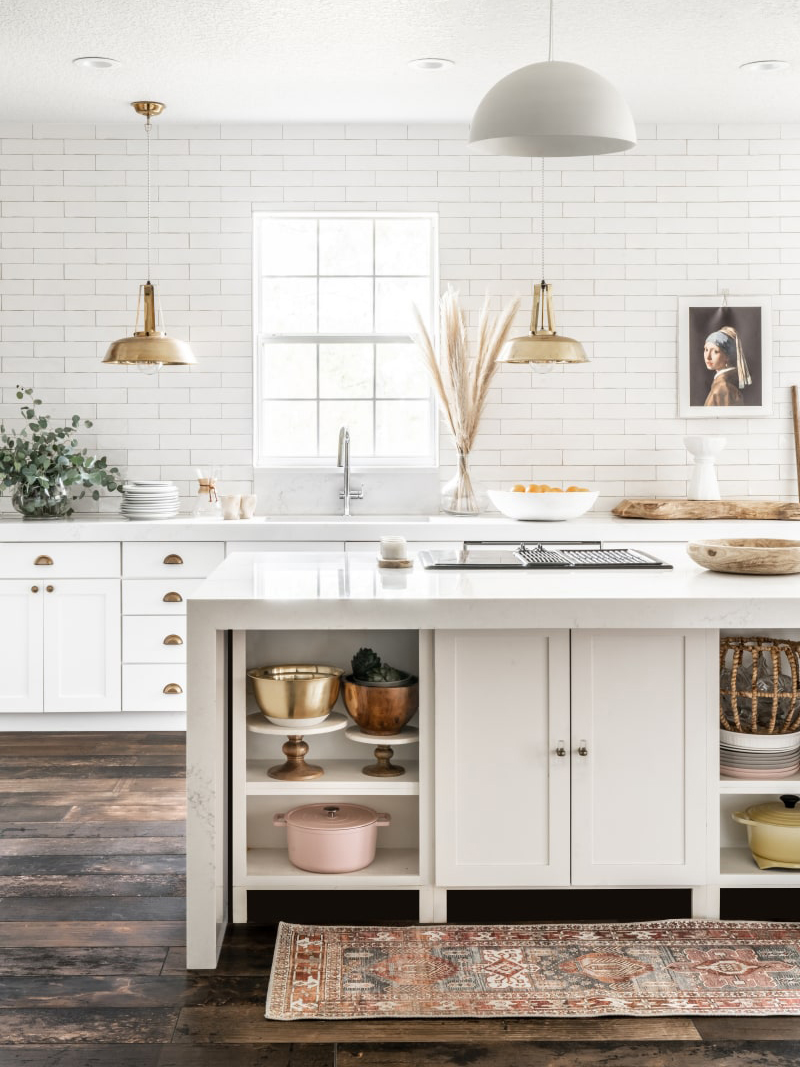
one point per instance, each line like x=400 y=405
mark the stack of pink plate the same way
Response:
x=759 y=756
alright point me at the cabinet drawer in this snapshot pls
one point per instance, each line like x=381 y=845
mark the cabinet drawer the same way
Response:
x=171 y=559
x=143 y=686
x=145 y=596
x=153 y=639
x=57 y=559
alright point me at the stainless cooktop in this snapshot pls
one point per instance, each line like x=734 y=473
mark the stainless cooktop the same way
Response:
x=539 y=555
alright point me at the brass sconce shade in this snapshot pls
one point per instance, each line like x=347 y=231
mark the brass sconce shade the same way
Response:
x=543 y=344
x=149 y=347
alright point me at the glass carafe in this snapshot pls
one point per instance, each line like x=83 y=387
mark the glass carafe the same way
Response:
x=207 y=505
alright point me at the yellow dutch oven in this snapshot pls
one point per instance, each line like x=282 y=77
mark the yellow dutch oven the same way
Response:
x=773 y=832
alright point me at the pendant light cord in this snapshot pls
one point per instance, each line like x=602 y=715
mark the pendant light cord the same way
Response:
x=550 y=36
x=148 y=126
x=541 y=221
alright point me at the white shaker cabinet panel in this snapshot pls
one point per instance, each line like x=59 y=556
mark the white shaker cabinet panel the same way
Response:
x=284 y=546
x=82 y=645
x=21 y=646
x=154 y=687
x=157 y=596
x=171 y=559
x=502 y=788
x=46 y=560
x=153 y=639
x=640 y=705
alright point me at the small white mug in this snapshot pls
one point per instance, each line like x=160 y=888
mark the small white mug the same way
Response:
x=248 y=507
x=231 y=506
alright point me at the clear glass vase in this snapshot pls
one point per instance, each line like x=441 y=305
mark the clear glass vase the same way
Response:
x=462 y=494
x=52 y=502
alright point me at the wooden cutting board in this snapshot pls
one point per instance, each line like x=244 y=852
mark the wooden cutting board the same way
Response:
x=706 y=509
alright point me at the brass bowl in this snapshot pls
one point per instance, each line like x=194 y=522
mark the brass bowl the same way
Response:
x=296 y=694
x=381 y=710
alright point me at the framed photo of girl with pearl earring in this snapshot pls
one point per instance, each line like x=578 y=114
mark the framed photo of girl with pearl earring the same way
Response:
x=724 y=357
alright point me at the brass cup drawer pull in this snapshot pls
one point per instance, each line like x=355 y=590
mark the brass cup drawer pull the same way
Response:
x=173 y=559
x=173 y=639
x=172 y=688
x=43 y=561
x=172 y=598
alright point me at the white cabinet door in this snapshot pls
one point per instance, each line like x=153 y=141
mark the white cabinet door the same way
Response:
x=82 y=645
x=502 y=790
x=640 y=704
x=21 y=653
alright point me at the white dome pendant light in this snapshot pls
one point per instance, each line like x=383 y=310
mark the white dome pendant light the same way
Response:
x=149 y=347
x=542 y=346
x=552 y=109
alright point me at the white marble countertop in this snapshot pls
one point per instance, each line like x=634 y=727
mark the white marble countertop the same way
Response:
x=321 y=590
x=599 y=525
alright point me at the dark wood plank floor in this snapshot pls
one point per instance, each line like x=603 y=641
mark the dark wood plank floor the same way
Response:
x=92 y=964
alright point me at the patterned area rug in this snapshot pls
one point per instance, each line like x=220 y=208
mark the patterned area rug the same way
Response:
x=677 y=967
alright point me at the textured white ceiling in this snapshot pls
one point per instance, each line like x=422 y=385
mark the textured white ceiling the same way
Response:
x=327 y=60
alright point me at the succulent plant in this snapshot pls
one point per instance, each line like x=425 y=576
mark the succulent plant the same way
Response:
x=368 y=667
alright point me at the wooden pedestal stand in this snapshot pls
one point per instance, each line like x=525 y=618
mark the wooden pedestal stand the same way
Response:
x=295 y=769
x=384 y=768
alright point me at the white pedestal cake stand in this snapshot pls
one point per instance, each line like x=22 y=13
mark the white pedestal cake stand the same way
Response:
x=295 y=769
x=384 y=751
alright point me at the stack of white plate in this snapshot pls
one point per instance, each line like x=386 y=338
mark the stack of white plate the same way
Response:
x=759 y=756
x=150 y=500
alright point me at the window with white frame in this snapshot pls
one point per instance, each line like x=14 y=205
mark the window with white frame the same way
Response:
x=333 y=326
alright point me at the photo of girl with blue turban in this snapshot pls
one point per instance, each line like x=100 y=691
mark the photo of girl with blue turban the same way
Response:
x=723 y=354
x=724 y=357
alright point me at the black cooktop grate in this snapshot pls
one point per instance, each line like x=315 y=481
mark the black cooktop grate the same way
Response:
x=539 y=556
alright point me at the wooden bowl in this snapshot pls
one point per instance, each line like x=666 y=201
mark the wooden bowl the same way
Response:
x=747 y=555
x=381 y=710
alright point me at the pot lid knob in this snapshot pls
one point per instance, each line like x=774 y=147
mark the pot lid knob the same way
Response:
x=332 y=812
x=789 y=800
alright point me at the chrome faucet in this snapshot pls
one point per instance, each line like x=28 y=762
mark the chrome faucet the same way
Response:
x=343 y=460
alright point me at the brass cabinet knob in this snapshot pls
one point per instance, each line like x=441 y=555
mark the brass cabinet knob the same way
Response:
x=43 y=561
x=173 y=639
x=561 y=748
x=34 y=588
x=582 y=749
x=171 y=688
x=173 y=558
x=172 y=598
x=50 y=588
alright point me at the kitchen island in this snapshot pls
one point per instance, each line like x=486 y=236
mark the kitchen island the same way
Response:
x=567 y=728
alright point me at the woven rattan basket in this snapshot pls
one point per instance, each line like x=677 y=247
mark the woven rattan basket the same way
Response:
x=759 y=685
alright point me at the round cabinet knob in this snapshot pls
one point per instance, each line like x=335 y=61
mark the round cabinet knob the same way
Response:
x=173 y=559
x=34 y=588
x=583 y=749
x=50 y=588
x=173 y=639
x=172 y=598
x=172 y=688
x=561 y=748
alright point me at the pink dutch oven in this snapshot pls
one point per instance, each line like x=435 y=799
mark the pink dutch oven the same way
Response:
x=331 y=838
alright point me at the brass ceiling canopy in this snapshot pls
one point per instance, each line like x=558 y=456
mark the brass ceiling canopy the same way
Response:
x=543 y=344
x=149 y=347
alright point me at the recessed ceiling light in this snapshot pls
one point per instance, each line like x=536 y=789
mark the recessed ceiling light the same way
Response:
x=96 y=62
x=765 y=66
x=431 y=63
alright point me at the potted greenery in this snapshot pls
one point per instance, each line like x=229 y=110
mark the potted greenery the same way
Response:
x=380 y=698
x=41 y=463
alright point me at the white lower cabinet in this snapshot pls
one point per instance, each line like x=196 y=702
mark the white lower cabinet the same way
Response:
x=571 y=760
x=61 y=645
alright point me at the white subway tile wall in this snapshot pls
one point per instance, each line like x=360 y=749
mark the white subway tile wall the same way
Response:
x=690 y=211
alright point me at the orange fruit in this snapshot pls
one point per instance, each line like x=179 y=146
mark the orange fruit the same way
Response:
x=533 y=488
x=517 y=488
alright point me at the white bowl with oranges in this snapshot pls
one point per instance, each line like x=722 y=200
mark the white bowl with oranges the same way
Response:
x=547 y=503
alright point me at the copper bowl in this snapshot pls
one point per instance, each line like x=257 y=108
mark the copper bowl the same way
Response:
x=381 y=710
x=296 y=694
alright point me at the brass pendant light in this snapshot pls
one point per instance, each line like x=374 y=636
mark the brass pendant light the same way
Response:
x=149 y=347
x=543 y=345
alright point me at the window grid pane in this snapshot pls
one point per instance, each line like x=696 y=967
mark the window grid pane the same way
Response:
x=363 y=376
